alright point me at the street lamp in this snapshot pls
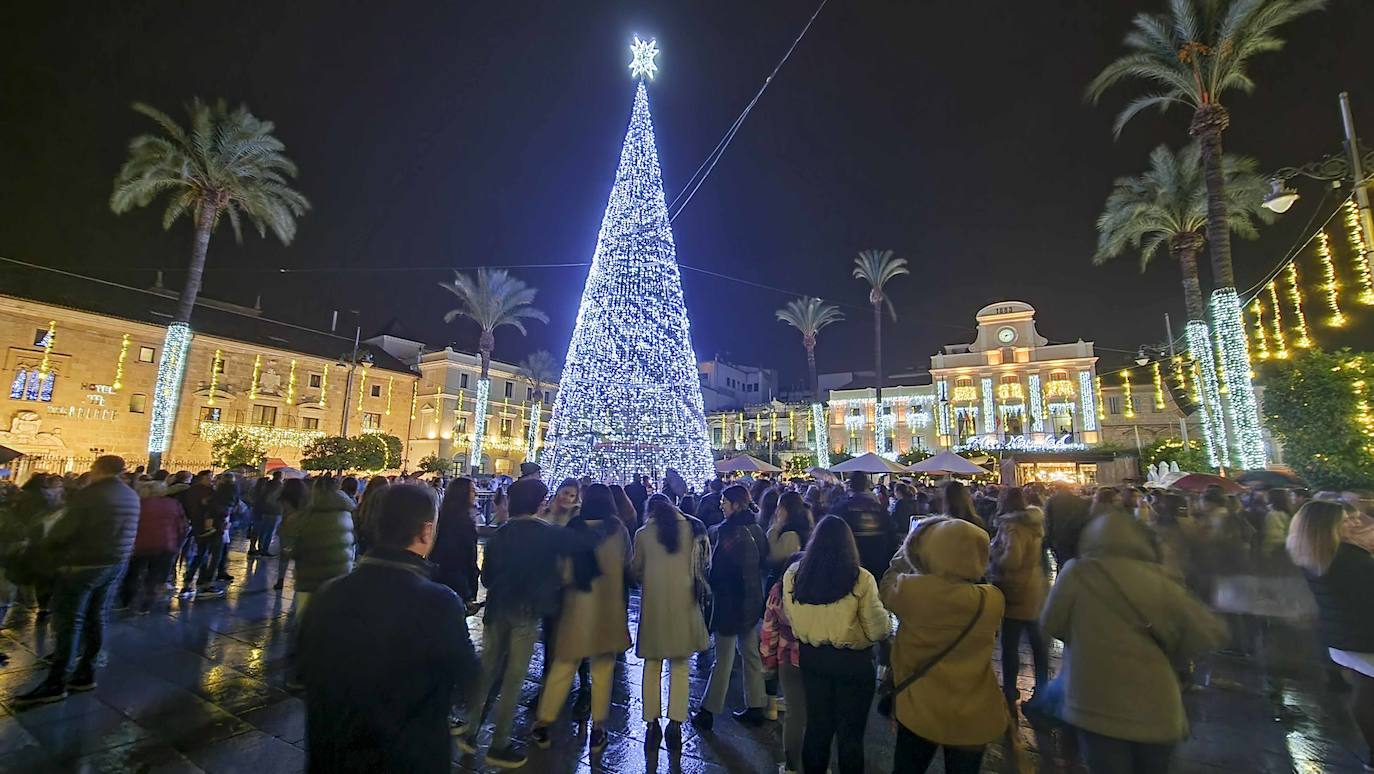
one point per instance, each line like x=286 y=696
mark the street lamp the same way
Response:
x=1336 y=169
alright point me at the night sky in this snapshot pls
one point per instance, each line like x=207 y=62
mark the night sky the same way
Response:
x=452 y=134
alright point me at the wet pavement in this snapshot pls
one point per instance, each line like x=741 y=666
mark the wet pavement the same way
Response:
x=200 y=686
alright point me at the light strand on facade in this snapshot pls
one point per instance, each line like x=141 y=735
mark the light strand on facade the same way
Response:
x=1037 y=403
x=49 y=340
x=1097 y=393
x=1359 y=251
x=414 y=398
x=118 y=383
x=257 y=371
x=1128 y=402
x=1261 y=338
x=362 y=387
x=1090 y=395
x=1331 y=284
x=214 y=376
x=1295 y=297
x=291 y=386
x=324 y=387
x=1159 y=385
x=989 y=408
x=390 y=382
x=1280 y=341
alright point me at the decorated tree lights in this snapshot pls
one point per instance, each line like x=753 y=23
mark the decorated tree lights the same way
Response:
x=629 y=401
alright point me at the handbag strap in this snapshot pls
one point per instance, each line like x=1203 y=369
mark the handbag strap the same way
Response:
x=1142 y=621
x=929 y=665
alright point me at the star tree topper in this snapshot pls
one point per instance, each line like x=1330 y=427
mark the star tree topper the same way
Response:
x=642 y=58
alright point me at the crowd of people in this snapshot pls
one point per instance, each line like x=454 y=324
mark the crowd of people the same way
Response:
x=831 y=595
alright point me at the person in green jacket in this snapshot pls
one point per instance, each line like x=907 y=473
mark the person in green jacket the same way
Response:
x=321 y=539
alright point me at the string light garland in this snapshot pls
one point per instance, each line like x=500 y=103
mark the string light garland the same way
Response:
x=1280 y=342
x=989 y=411
x=1128 y=401
x=324 y=387
x=390 y=382
x=629 y=401
x=942 y=408
x=1208 y=391
x=289 y=437
x=1295 y=297
x=49 y=339
x=1331 y=284
x=1364 y=417
x=214 y=376
x=171 y=368
x=118 y=383
x=1359 y=251
x=1159 y=385
x=1261 y=338
x=1235 y=358
x=1037 y=404
x=291 y=385
x=362 y=387
x=257 y=371
x=414 y=398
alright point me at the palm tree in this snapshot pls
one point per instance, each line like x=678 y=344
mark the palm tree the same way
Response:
x=536 y=369
x=877 y=268
x=809 y=316
x=1167 y=206
x=223 y=164
x=1193 y=53
x=492 y=299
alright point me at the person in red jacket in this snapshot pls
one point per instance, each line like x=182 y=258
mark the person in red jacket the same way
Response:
x=162 y=527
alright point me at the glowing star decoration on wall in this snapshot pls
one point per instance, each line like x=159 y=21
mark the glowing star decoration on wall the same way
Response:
x=642 y=55
x=629 y=401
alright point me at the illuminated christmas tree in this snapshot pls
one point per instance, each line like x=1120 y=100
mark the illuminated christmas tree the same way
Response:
x=629 y=401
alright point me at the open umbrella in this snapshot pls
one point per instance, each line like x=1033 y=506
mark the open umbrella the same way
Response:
x=821 y=474
x=745 y=463
x=1274 y=479
x=868 y=463
x=1194 y=482
x=947 y=463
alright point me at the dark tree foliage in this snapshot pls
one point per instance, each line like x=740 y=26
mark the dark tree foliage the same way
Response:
x=1318 y=405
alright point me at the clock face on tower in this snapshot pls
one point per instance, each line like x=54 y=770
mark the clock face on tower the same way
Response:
x=1006 y=335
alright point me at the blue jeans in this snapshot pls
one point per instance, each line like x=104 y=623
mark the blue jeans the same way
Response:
x=264 y=527
x=80 y=604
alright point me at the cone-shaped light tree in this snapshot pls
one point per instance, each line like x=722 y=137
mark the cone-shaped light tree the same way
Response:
x=1167 y=206
x=629 y=399
x=225 y=164
x=492 y=299
x=1191 y=55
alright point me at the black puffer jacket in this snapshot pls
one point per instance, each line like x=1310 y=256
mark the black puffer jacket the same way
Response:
x=98 y=528
x=874 y=532
x=1344 y=606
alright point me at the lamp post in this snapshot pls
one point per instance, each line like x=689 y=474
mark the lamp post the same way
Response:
x=1349 y=168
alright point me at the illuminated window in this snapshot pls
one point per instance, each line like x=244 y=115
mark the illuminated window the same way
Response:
x=209 y=414
x=505 y=426
x=40 y=338
x=462 y=425
x=372 y=420
x=310 y=423
x=138 y=403
x=27 y=385
x=146 y=354
x=265 y=415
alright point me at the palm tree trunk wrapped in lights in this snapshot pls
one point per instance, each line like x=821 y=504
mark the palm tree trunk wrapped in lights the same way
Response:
x=537 y=369
x=224 y=164
x=1190 y=55
x=492 y=299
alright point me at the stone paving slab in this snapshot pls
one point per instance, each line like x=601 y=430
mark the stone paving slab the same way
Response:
x=200 y=686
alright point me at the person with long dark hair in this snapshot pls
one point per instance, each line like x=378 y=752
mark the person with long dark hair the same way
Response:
x=594 y=622
x=363 y=518
x=959 y=504
x=455 y=544
x=670 y=557
x=738 y=554
x=295 y=495
x=832 y=603
x=787 y=533
x=563 y=506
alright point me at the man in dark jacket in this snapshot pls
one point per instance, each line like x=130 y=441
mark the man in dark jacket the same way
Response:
x=871 y=524
x=708 y=510
x=638 y=492
x=382 y=651
x=91 y=544
x=1066 y=514
x=522 y=573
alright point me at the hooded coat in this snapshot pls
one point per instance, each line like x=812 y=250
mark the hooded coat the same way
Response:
x=1125 y=621
x=932 y=587
x=321 y=539
x=1015 y=563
